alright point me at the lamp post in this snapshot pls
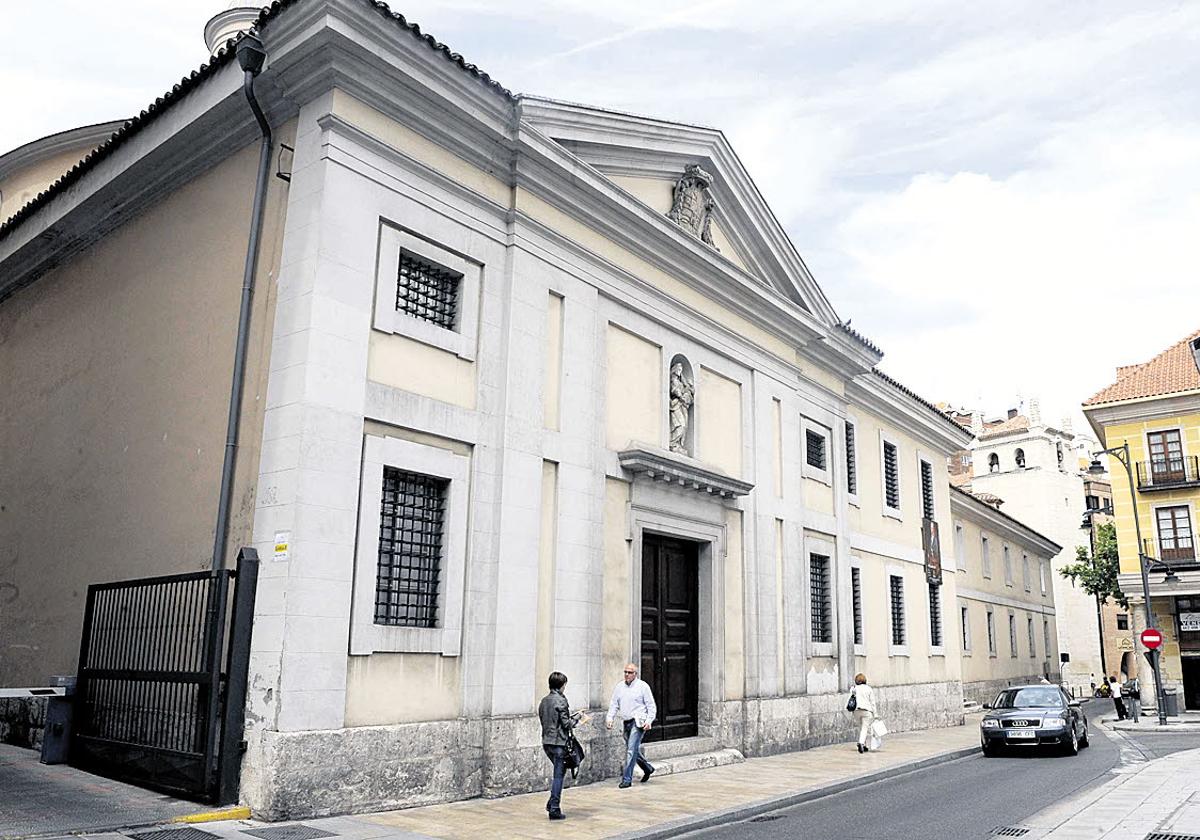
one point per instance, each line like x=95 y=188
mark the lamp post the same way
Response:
x=1121 y=453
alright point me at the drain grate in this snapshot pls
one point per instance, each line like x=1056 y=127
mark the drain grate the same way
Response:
x=1169 y=835
x=297 y=831
x=1009 y=831
x=188 y=833
x=767 y=818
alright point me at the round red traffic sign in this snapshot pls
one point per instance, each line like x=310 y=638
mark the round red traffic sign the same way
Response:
x=1151 y=638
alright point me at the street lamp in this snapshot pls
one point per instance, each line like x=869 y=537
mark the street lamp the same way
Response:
x=1121 y=453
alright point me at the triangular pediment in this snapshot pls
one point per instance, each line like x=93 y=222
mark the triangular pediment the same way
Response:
x=647 y=158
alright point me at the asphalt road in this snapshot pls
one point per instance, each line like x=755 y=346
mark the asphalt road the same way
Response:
x=960 y=800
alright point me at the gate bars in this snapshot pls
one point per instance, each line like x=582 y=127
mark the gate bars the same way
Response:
x=153 y=705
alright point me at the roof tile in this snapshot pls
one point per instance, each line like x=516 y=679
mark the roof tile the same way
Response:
x=1172 y=371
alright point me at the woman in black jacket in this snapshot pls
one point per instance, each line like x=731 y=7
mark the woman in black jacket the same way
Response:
x=557 y=725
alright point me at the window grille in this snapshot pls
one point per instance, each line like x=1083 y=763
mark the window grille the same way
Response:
x=935 y=615
x=1032 y=639
x=856 y=600
x=427 y=291
x=927 y=490
x=891 y=476
x=899 y=636
x=991 y=628
x=410 y=549
x=965 y=616
x=818 y=577
x=1046 y=636
x=851 y=459
x=1012 y=635
x=815 y=448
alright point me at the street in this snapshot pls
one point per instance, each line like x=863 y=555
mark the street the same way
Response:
x=965 y=799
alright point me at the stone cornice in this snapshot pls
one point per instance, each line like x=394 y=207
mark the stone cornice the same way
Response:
x=908 y=415
x=1147 y=408
x=963 y=504
x=685 y=473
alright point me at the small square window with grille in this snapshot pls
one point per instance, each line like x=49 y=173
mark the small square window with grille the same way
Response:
x=814 y=447
x=891 y=476
x=935 y=615
x=927 y=490
x=856 y=600
x=427 y=291
x=818 y=577
x=896 y=588
x=410 y=549
x=851 y=460
x=1123 y=621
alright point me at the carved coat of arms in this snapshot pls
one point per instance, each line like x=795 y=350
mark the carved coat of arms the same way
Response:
x=693 y=205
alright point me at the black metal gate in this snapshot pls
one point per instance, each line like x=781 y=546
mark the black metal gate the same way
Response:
x=160 y=695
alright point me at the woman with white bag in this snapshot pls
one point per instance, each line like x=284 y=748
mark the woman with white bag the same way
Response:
x=862 y=703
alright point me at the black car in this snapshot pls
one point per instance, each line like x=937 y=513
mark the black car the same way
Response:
x=1033 y=716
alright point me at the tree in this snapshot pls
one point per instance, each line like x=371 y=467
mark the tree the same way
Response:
x=1097 y=572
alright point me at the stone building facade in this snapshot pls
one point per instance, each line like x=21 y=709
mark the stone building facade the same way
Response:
x=1007 y=623
x=532 y=387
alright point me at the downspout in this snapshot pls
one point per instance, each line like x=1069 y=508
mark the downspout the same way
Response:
x=251 y=56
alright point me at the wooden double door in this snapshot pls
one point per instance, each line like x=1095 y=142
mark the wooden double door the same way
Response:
x=671 y=633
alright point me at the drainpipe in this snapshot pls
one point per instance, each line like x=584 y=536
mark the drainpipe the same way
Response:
x=251 y=56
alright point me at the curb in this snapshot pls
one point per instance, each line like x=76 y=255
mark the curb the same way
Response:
x=237 y=812
x=738 y=813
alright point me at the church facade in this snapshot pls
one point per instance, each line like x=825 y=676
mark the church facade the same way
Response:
x=533 y=387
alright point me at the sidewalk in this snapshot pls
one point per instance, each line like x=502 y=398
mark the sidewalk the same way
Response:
x=664 y=807
x=1163 y=796
x=1184 y=722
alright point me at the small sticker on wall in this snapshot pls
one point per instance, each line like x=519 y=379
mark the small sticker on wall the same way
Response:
x=283 y=542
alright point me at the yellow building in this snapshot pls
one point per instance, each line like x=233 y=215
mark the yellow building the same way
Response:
x=1154 y=408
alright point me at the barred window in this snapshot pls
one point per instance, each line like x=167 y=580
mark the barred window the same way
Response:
x=1032 y=640
x=818 y=577
x=427 y=291
x=899 y=637
x=891 y=476
x=927 y=490
x=856 y=600
x=1046 y=636
x=410 y=549
x=851 y=458
x=814 y=447
x=935 y=615
x=966 y=627
x=1012 y=634
x=991 y=628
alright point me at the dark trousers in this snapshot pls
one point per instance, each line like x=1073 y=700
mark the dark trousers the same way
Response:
x=555 y=754
x=1120 y=707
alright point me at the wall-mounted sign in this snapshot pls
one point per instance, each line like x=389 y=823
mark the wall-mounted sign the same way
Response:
x=283 y=544
x=932 y=546
x=1189 y=622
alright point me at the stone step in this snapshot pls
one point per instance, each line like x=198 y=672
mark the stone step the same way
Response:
x=660 y=750
x=696 y=761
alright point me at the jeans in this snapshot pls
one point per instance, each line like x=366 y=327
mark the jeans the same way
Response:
x=1134 y=708
x=633 y=752
x=555 y=754
x=1119 y=705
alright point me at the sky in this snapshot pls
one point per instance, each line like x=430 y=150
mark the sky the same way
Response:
x=1003 y=196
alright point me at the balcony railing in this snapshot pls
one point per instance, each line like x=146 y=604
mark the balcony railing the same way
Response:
x=1176 y=558
x=1169 y=473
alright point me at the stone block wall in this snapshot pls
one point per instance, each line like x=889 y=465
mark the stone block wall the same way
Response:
x=23 y=721
x=294 y=775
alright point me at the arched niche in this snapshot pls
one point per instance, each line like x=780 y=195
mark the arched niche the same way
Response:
x=681 y=406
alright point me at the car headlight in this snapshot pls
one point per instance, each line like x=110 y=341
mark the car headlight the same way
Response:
x=990 y=723
x=1054 y=723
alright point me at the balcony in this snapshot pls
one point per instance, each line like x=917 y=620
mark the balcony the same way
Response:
x=1176 y=558
x=1168 y=473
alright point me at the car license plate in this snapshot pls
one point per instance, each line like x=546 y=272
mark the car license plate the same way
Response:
x=1022 y=733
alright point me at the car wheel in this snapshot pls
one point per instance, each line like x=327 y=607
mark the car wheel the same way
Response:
x=987 y=748
x=1072 y=746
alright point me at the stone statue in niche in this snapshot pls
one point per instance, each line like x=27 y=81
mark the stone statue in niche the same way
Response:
x=693 y=205
x=683 y=393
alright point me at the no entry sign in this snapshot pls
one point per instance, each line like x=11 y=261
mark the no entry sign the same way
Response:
x=1151 y=639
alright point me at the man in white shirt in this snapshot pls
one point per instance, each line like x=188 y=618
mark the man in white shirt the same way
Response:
x=633 y=704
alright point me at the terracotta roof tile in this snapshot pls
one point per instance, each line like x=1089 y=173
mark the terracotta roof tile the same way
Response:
x=1012 y=424
x=1170 y=372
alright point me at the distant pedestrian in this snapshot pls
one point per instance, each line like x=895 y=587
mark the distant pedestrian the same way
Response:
x=1115 y=691
x=633 y=704
x=557 y=726
x=864 y=710
x=1131 y=694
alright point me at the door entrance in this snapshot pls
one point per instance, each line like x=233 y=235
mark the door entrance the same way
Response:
x=671 y=633
x=1191 y=682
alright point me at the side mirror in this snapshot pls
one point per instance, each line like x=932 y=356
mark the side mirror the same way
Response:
x=1074 y=704
x=987 y=705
